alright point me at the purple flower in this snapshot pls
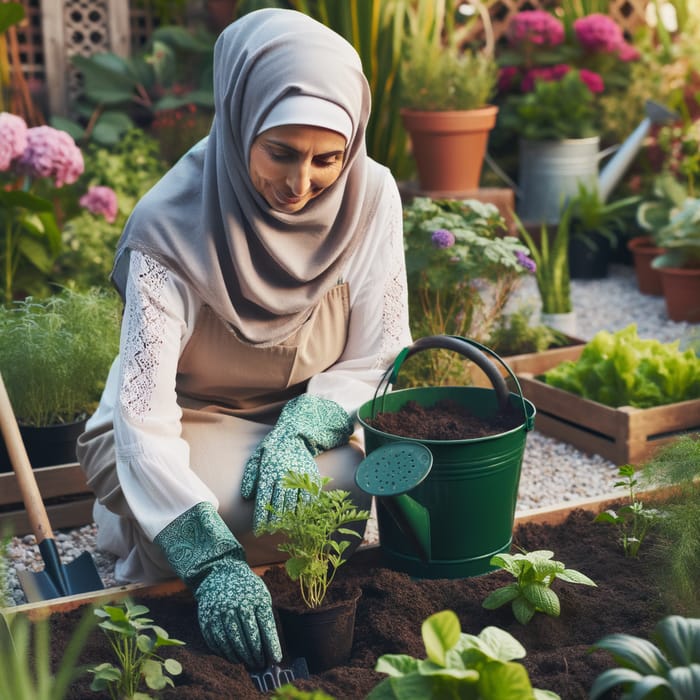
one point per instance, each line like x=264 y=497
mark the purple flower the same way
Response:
x=443 y=238
x=535 y=27
x=101 y=200
x=598 y=32
x=13 y=138
x=526 y=261
x=52 y=153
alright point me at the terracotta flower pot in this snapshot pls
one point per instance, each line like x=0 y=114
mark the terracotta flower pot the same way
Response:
x=681 y=287
x=449 y=147
x=643 y=252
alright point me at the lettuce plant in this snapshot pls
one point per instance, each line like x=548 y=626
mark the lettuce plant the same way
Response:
x=669 y=668
x=134 y=640
x=459 y=665
x=633 y=520
x=535 y=572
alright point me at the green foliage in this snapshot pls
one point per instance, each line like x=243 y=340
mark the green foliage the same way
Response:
x=514 y=334
x=555 y=109
x=667 y=667
x=551 y=255
x=633 y=520
x=290 y=692
x=681 y=236
x=25 y=658
x=456 y=288
x=55 y=354
x=317 y=534
x=458 y=665
x=621 y=369
x=534 y=573
x=667 y=196
x=134 y=639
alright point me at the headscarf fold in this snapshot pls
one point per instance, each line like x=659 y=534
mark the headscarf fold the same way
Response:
x=260 y=270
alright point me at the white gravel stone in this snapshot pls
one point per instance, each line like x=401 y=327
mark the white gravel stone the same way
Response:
x=553 y=472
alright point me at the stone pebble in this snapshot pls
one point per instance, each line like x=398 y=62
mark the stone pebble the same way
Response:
x=553 y=472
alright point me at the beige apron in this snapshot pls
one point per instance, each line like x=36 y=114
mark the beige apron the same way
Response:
x=230 y=394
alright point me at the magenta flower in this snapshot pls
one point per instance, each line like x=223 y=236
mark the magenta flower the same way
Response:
x=506 y=77
x=101 y=200
x=598 y=32
x=13 y=138
x=535 y=27
x=52 y=153
x=526 y=261
x=443 y=238
x=549 y=73
x=594 y=82
x=628 y=53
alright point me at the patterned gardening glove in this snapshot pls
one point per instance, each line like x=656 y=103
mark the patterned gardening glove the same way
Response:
x=233 y=605
x=307 y=426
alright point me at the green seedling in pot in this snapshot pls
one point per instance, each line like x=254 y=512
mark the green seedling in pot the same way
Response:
x=459 y=665
x=633 y=520
x=134 y=639
x=535 y=572
x=317 y=533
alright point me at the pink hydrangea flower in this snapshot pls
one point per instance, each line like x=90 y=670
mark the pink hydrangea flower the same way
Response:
x=598 y=32
x=13 y=138
x=594 y=82
x=549 y=73
x=101 y=200
x=628 y=53
x=536 y=27
x=52 y=153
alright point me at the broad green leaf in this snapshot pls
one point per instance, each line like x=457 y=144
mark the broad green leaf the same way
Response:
x=396 y=664
x=501 y=596
x=543 y=598
x=685 y=681
x=523 y=610
x=504 y=681
x=680 y=639
x=501 y=645
x=634 y=652
x=573 y=576
x=440 y=632
x=173 y=667
x=153 y=674
x=610 y=679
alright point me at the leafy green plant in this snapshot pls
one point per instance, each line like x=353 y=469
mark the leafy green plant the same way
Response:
x=681 y=237
x=514 y=334
x=52 y=360
x=459 y=665
x=290 y=692
x=551 y=256
x=667 y=196
x=534 y=572
x=317 y=534
x=461 y=273
x=633 y=520
x=134 y=639
x=621 y=369
x=667 y=667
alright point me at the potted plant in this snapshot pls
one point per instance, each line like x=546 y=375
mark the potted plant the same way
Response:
x=680 y=263
x=445 y=93
x=317 y=535
x=55 y=355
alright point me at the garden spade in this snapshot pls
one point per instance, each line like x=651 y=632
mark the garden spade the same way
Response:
x=56 y=580
x=388 y=473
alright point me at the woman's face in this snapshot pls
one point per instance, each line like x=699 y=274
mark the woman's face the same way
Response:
x=291 y=165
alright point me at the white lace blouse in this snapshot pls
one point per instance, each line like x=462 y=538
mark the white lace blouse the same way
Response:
x=160 y=312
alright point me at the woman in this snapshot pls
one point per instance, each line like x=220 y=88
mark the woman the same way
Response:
x=265 y=293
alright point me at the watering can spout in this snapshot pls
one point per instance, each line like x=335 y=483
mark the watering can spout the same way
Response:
x=625 y=154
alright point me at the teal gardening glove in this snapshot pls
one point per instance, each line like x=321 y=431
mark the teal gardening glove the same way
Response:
x=233 y=605
x=307 y=426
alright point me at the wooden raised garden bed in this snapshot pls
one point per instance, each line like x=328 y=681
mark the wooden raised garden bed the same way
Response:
x=624 y=435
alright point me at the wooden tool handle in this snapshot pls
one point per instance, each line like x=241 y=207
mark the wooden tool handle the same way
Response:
x=38 y=519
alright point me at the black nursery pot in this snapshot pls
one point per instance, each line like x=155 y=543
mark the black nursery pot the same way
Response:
x=323 y=636
x=589 y=261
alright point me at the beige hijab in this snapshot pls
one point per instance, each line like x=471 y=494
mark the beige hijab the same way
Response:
x=260 y=270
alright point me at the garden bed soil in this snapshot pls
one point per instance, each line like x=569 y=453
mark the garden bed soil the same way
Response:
x=628 y=598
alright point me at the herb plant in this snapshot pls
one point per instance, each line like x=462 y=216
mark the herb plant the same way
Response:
x=317 y=534
x=621 y=369
x=633 y=520
x=669 y=668
x=534 y=572
x=135 y=640
x=459 y=665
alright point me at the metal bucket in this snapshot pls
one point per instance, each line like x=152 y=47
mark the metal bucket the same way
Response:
x=468 y=498
x=549 y=174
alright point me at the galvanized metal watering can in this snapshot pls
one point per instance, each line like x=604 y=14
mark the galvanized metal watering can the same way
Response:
x=550 y=171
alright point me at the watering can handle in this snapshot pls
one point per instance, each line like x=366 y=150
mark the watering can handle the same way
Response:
x=472 y=350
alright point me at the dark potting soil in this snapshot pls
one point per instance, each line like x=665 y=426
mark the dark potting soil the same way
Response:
x=628 y=598
x=444 y=420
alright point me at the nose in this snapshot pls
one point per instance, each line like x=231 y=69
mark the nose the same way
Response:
x=299 y=178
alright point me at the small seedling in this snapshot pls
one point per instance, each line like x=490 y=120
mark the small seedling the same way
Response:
x=134 y=639
x=633 y=520
x=535 y=572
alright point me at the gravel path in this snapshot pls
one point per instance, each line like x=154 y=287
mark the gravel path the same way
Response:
x=553 y=472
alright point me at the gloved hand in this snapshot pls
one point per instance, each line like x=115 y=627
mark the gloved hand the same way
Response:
x=233 y=605
x=307 y=426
